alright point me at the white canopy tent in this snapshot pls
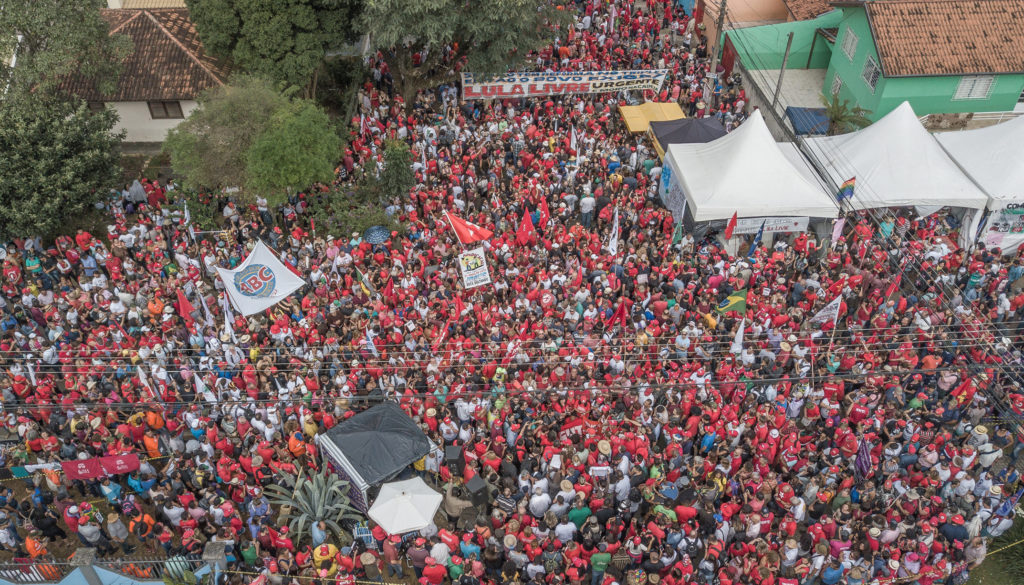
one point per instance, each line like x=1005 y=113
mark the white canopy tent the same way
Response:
x=897 y=163
x=744 y=172
x=994 y=158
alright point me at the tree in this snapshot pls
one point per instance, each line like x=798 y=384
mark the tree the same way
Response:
x=59 y=160
x=209 y=148
x=299 y=148
x=320 y=496
x=52 y=39
x=490 y=35
x=397 y=177
x=841 y=117
x=283 y=40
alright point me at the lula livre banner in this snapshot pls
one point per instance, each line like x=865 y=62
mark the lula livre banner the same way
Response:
x=540 y=83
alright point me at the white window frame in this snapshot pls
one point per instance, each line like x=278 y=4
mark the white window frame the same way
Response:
x=870 y=61
x=850 y=48
x=974 y=87
x=837 y=84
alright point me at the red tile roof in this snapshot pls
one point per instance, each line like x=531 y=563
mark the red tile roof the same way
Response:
x=948 y=37
x=167 y=63
x=807 y=9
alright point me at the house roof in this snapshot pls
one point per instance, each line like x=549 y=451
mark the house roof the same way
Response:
x=167 y=63
x=948 y=37
x=807 y=9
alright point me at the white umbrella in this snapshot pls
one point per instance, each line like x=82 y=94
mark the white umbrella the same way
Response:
x=405 y=506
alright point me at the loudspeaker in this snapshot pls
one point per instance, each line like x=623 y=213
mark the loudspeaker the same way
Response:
x=454 y=460
x=478 y=493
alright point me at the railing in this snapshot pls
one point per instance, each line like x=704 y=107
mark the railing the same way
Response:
x=34 y=571
x=152 y=568
x=996 y=117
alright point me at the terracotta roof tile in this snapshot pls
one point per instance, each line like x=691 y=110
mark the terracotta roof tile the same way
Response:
x=948 y=37
x=807 y=9
x=167 y=63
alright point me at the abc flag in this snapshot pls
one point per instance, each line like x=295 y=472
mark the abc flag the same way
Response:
x=260 y=282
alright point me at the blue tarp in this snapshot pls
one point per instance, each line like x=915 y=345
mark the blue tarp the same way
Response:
x=808 y=121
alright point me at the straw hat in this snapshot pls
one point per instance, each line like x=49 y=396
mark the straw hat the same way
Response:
x=786 y=346
x=980 y=430
x=367 y=559
x=509 y=541
x=257 y=461
x=566 y=485
x=431 y=412
x=604 y=447
x=874 y=532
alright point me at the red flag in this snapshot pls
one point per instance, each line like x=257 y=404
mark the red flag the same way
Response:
x=459 y=307
x=185 y=308
x=545 y=212
x=619 y=315
x=82 y=468
x=525 y=234
x=731 y=225
x=467 y=232
x=118 y=464
x=893 y=287
x=389 y=288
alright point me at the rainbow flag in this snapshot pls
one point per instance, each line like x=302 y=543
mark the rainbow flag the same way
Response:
x=846 y=189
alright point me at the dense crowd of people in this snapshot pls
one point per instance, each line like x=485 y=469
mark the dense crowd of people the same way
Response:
x=630 y=432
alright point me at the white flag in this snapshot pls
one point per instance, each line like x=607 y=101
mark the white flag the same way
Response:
x=260 y=282
x=829 y=313
x=207 y=315
x=737 y=343
x=573 y=141
x=202 y=389
x=613 y=243
x=370 y=345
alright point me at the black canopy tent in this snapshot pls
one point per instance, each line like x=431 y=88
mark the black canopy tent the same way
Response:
x=372 y=447
x=685 y=131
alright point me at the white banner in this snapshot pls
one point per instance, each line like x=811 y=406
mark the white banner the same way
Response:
x=260 y=282
x=750 y=225
x=474 y=268
x=541 y=83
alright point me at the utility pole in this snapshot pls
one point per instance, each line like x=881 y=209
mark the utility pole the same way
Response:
x=712 y=74
x=785 y=58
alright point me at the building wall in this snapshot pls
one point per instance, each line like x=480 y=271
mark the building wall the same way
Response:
x=140 y=125
x=763 y=47
x=927 y=95
x=741 y=15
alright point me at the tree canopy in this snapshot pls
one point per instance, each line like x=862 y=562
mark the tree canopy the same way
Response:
x=54 y=38
x=249 y=135
x=59 y=159
x=490 y=35
x=282 y=40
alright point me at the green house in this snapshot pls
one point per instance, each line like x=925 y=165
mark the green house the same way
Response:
x=942 y=56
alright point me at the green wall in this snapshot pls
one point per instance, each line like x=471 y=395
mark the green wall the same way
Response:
x=768 y=43
x=927 y=95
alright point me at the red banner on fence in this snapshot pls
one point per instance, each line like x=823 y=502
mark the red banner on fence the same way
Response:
x=82 y=468
x=118 y=464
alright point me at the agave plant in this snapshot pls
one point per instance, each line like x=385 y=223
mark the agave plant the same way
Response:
x=308 y=499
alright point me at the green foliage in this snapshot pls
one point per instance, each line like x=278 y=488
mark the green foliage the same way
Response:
x=284 y=40
x=1008 y=564
x=310 y=499
x=203 y=213
x=356 y=209
x=299 y=148
x=843 y=118
x=209 y=148
x=58 y=160
x=492 y=35
x=397 y=177
x=58 y=38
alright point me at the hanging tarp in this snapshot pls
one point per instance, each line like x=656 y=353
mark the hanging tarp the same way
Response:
x=808 y=121
x=685 y=131
x=639 y=118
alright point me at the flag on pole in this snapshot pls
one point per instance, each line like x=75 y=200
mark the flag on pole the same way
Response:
x=893 y=287
x=846 y=189
x=737 y=301
x=202 y=388
x=837 y=230
x=677 y=234
x=185 y=309
x=370 y=345
x=423 y=160
x=613 y=242
x=1009 y=504
x=621 y=315
x=365 y=283
x=829 y=313
x=737 y=342
x=228 y=318
x=363 y=127
x=757 y=239
x=467 y=232
x=731 y=226
x=525 y=234
x=573 y=140
x=207 y=315
x=32 y=373
x=545 y=212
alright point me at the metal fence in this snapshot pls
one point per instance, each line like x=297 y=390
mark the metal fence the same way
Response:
x=31 y=571
x=34 y=571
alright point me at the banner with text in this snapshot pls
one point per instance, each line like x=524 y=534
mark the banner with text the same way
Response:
x=261 y=281
x=750 y=225
x=474 y=268
x=563 y=83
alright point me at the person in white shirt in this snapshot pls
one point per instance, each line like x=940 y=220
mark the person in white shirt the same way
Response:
x=539 y=502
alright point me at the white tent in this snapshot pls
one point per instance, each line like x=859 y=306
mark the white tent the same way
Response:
x=744 y=172
x=994 y=157
x=897 y=163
